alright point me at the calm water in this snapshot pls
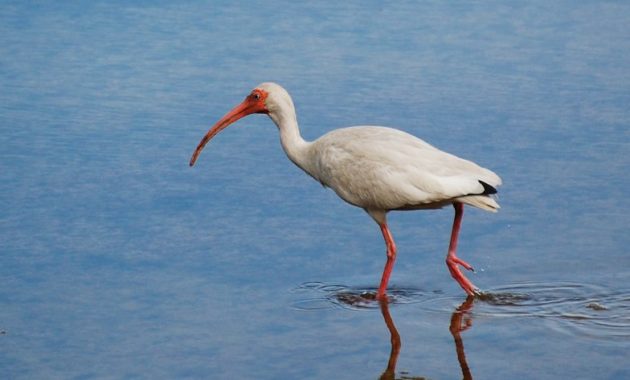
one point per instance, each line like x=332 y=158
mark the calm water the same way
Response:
x=120 y=261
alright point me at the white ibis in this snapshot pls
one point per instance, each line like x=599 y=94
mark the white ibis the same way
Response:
x=376 y=168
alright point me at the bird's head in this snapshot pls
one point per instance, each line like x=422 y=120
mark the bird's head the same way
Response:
x=267 y=98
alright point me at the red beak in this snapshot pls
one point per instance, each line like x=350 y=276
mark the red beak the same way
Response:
x=254 y=103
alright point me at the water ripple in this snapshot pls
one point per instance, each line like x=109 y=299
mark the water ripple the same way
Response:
x=578 y=309
x=324 y=296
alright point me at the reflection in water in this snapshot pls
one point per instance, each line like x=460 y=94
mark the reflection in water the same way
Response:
x=461 y=320
x=390 y=371
x=584 y=310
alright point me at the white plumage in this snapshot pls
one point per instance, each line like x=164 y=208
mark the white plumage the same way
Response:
x=376 y=168
x=379 y=168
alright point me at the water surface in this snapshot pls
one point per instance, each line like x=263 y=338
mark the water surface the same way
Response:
x=120 y=261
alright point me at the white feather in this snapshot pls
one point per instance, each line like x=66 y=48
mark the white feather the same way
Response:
x=384 y=168
x=379 y=168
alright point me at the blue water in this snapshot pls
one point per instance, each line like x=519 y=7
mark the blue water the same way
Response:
x=120 y=261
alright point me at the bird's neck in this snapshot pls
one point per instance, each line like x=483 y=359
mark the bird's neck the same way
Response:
x=292 y=142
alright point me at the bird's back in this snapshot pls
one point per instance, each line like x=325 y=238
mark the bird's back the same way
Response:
x=387 y=169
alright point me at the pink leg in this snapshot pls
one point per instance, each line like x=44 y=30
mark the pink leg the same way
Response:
x=391 y=257
x=452 y=260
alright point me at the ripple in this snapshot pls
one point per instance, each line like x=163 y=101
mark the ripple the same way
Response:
x=578 y=309
x=326 y=296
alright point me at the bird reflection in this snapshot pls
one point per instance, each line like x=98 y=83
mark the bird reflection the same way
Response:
x=461 y=320
x=390 y=371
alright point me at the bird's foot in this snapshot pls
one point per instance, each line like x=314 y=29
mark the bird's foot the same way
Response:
x=456 y=260
x=452 y=263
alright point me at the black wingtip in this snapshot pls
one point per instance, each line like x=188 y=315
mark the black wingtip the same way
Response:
x=487 y=189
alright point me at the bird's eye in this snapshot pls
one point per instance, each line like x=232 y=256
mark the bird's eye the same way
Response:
x=256 y=95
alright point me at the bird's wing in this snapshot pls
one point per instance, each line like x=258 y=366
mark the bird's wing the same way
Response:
x=384 y=168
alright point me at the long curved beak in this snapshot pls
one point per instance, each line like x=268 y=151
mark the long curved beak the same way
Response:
x=247 y=107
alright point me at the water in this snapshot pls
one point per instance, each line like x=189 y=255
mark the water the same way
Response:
x=120 y=261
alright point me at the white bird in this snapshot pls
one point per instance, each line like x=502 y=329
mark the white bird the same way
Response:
x=379 y=169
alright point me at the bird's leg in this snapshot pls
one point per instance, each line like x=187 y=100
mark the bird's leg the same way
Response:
x=451 y=258
x=391 y=257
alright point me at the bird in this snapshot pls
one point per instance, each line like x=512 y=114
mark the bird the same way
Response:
x=378 y=169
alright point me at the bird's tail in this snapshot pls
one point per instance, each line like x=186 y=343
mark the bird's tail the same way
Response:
x=483 y=202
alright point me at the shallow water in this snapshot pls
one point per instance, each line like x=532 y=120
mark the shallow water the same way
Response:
x=120 y=261
x=577 y=309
